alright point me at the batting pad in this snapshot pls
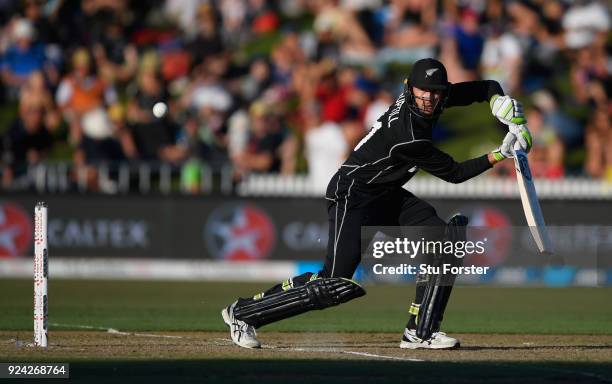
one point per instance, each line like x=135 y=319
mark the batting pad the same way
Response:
x=316 y=294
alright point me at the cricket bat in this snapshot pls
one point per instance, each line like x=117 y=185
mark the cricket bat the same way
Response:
x=531 y=205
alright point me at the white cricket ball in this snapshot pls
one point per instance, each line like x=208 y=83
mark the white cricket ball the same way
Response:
x=160 y=109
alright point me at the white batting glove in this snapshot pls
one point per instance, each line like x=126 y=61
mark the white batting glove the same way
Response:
x=523 y=137
x=504 y=151
x=507 y=110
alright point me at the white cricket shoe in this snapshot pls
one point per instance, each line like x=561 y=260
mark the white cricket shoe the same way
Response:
x=242 y=334
x=438 y=340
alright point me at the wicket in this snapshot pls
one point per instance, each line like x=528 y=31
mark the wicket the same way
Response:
x=41 y=275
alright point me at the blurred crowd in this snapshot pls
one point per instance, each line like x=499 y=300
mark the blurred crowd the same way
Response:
x=285 y=86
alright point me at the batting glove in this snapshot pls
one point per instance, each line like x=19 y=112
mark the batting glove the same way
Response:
x=504 y=151
x=523 y=137
x=507 y=110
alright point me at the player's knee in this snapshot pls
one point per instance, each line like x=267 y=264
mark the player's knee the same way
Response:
x=456 y=227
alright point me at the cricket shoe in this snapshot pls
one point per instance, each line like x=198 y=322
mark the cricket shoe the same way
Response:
x=438 y=340
x=242 y=334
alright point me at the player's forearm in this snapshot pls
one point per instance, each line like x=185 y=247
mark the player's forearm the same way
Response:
x=469 y=92
x=468 y=169
x=447 y=169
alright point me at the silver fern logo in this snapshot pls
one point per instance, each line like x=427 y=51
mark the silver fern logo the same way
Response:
x=430 y=72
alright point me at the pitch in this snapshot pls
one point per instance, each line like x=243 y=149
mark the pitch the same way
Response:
x=157 y=331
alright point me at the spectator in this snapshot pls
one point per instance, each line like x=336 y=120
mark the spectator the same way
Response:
x=33 y=11
x=207 y=104
x=589 y=73
x=382 y=101
x=257 y=80
x=338 y=27
x=502 y=59
x=183 y=13
x=282 y=65
x=469 y=42
x=551 y=32
x=409 y=24
x=153 y=137
x=27 y=142
x=233 y=14
x=332 y=94
x=262 y=16
x=362 y=89
x=23 y=57
x=547 y=152
x=359 y=90
x=365 y=13
x=585 y=22
x=207 y=41
x=326 y=148
x=117 y=116
x=238 y=132
x=461 y=45
x=566 y=127
x=526 y=26
x=598 y=140
x=82 y=96
x=117 y=58
x=269 y=143
x=35 y=95
x=191 y=151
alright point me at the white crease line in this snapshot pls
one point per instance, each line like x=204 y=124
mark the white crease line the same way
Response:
x=339 y=351
x=312 y=349
x=115 y=331
x=78 y=326
x=381 y=356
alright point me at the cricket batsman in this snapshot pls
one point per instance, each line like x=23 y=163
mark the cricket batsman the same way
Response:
x=367 y=190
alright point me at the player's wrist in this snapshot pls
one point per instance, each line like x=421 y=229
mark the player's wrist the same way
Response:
x=494 y=158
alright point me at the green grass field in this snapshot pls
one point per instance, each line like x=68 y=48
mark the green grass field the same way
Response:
x=191 y=306
x=525 y=334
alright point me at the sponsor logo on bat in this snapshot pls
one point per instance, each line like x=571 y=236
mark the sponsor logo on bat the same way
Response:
x=524 y=166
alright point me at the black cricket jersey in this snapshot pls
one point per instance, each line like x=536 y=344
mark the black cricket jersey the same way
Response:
x=399 y=144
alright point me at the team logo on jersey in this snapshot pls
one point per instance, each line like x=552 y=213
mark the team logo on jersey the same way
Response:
x=430 y=72
x=15 y=231
x=239 y=232
x=492 y=224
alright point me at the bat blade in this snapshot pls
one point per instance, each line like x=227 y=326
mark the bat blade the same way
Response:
x=531 y=205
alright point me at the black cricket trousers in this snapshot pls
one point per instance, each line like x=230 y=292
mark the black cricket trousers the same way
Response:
x=352 y=204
